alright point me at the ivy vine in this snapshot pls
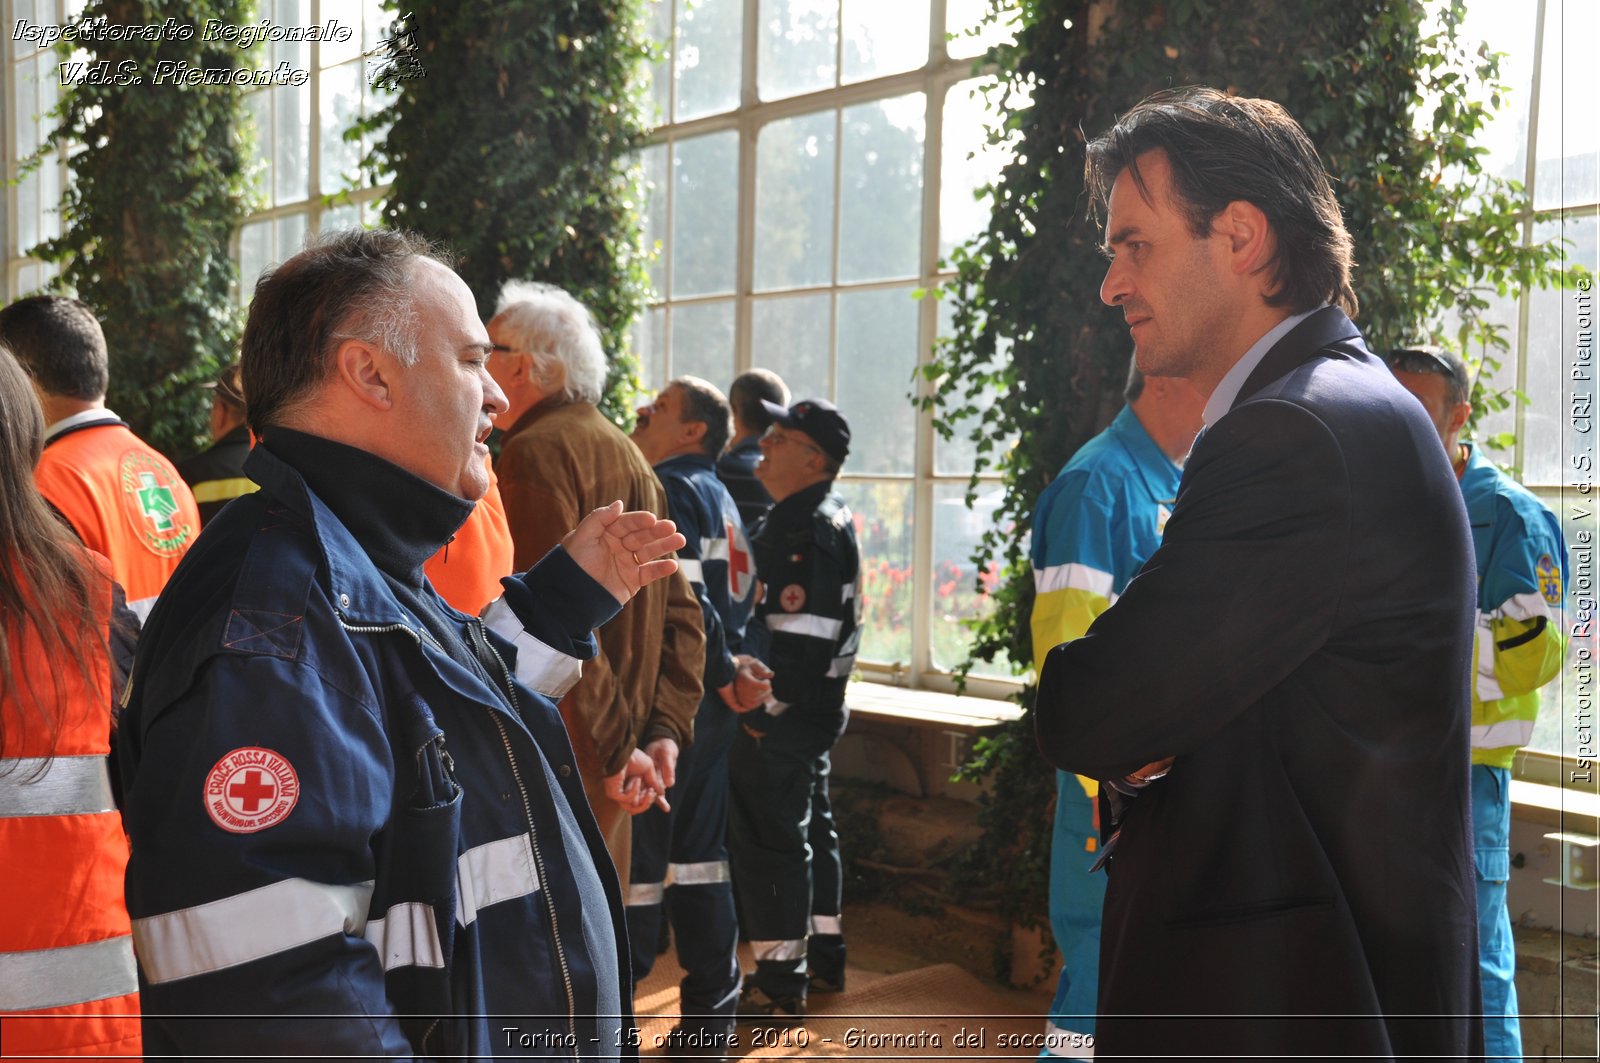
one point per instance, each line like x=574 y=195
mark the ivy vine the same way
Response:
x=511 y=140
x=159 y=183
x=1034 y=365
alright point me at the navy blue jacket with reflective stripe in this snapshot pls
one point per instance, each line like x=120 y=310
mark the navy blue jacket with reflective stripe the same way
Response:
x=720 y=566
x=404 y=901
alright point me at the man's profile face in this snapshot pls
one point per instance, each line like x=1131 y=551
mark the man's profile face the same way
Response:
x=789 y=461
x=659 y=429
x=1165 y=280
x=510 y=367
x=444 y=405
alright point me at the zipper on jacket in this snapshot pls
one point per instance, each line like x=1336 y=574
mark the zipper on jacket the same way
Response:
x=476 y=627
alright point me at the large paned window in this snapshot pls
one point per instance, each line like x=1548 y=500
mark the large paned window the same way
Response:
x=814 y=161
x=27 y=95
x=801 y=193
x=306 y=171
x=1548 y=139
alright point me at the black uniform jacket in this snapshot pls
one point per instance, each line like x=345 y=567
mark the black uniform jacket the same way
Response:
x=1301 y=643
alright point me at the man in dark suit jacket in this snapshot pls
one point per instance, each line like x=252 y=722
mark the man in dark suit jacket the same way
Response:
x=1279 y=699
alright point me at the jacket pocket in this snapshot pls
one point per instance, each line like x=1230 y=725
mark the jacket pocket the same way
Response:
x=1246 y=913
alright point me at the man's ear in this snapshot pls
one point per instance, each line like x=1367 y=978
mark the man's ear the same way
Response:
x=1249 y=235
x=694 y=431
x=365 y=371
x=1458 y=418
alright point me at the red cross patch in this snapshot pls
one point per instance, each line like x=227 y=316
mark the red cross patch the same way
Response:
x=741 y=573
x=250 y=789
x=792 y=598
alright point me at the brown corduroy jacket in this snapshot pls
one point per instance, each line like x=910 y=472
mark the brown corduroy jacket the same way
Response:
x=557 y=463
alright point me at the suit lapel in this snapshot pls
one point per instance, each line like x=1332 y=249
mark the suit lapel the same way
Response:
x=1324 y=328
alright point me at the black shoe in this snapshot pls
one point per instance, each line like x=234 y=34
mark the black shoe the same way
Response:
x=757 y=1005
x=821 y=983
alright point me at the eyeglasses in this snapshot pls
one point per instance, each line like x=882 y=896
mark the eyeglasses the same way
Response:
x=777 y=438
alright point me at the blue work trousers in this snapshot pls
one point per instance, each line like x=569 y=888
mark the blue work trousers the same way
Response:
x=1497 y=952
x=681 y=858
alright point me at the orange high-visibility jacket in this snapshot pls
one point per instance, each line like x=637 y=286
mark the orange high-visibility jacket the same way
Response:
x=124 y=500
x=467 y=572
x=68 y=984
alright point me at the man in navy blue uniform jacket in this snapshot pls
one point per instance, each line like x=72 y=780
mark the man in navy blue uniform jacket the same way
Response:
x=359 y=827
x=680 y=857
x=1279 y=698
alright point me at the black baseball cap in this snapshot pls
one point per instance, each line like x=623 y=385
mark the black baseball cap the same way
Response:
x=819 y=419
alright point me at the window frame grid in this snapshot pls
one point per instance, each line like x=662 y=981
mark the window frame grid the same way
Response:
x=749 y=119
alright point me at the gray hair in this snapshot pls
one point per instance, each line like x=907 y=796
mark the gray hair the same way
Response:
x=561 y=336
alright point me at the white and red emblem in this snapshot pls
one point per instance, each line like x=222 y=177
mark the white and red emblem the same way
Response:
x=792 y=598
x=741 y=573
x=250 y=789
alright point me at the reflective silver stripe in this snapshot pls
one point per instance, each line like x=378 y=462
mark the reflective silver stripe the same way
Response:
x=1502 y=734
x=1062 y=1043
x=494 y=872
x=826 y=924
x=75 y=974
x=1073 y=576
x=847 y=592
x=691 y=570
x=55 y=786
x=539 y=667
x=1487 y=684
x=714 y=549
x=779 y=950
x=247 y=926
x=646 y=894
x=703 y=874
x=817 y=627
x=1526 y=606
x=407 y=936
x=842 y=667
x=142 y=607
x=774 y=707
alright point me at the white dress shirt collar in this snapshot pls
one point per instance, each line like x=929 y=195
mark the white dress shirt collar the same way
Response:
x=1227 y=391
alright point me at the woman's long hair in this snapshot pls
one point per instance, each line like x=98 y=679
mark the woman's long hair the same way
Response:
x=47 y=585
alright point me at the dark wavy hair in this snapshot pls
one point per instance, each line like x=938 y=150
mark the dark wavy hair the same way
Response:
x=47 y=585
x=1224 y=149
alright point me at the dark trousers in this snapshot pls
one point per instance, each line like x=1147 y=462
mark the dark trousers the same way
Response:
x=682 y=857
x=785 y=852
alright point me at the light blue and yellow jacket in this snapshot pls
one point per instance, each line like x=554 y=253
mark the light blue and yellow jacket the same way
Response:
x=1521 y=637
x=1095 y=525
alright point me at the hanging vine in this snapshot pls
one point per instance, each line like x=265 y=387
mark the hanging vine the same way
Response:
x=511 y=141
x=159 y=183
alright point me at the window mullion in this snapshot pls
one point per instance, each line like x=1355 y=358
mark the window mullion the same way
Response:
x=1519 y=347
